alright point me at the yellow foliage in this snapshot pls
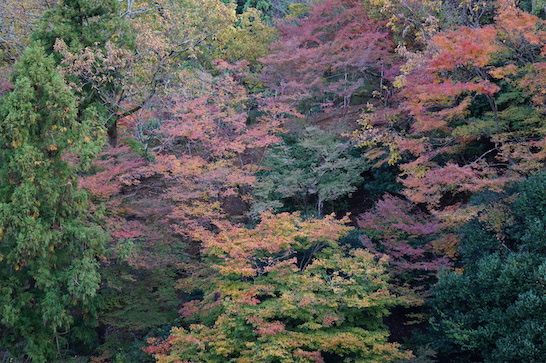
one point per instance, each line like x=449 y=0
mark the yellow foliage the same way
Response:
x=249 y=38
x=297 y=10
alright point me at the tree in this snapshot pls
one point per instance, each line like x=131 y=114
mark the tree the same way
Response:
x=94 y=35
x=248 y=38
x=494 y=310
x=467 y=123
x=82 y=23
x=284 y=291
x=413 y=241
x=49 y=247
x=209 y=152
x=271 y=8
x=330 y=55
x=306 y=172
x=18 y=19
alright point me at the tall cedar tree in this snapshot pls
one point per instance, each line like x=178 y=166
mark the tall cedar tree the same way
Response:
x=49 y=249
x=96 y=24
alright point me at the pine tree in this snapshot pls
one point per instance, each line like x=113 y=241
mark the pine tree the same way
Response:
x=49 y=247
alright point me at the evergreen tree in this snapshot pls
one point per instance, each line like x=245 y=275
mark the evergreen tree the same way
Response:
x=495 y=310
x=82 y=23
x=90 y=30
x=49 y=247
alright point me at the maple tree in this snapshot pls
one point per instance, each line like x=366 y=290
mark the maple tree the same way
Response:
x=334 y=52
x=197 y=169
x=209 y=152
x=415 y=243
x=137 y=58
x=145 y=256
x=284 y=291
x=49 y=246
x=466 y=124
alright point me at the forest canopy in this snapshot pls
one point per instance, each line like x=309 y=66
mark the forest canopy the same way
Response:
x=272 y=181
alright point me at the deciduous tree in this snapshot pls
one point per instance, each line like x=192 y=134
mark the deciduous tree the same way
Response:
x=414 y=242
x=284 y=291
x=331 y=54
x=308 y=172
x=466 y=123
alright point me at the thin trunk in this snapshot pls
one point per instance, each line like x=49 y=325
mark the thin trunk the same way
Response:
x=113 y=134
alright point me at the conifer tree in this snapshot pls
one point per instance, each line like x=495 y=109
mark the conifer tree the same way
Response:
x=82 y=23
x=494 y=310
x=49 y=247
x=94 y=32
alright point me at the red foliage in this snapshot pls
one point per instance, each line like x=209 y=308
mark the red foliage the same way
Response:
x=456 y=150
x=409 y=237
x=209 y=151
x=134 y=207
x=335 y=50
x=112 y=166
x=436 y=90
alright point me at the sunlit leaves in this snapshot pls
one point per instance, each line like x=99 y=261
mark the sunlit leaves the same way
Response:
x=285 y=291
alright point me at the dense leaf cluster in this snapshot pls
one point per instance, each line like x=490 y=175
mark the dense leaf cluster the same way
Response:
x=199 y=231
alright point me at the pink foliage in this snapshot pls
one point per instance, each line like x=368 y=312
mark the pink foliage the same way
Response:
x=209 y=150
x=335 y=49
x=113 y=166
x=406 y=235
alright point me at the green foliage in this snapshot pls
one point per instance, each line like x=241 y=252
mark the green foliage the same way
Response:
x=309 y=170
x=82 y=23
x=495 y=310
x=270 y=8
x=138 y=299
x=248 y=40
x=90 y=34
x=136 y=302
x=49 y=247
x=383 y=180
